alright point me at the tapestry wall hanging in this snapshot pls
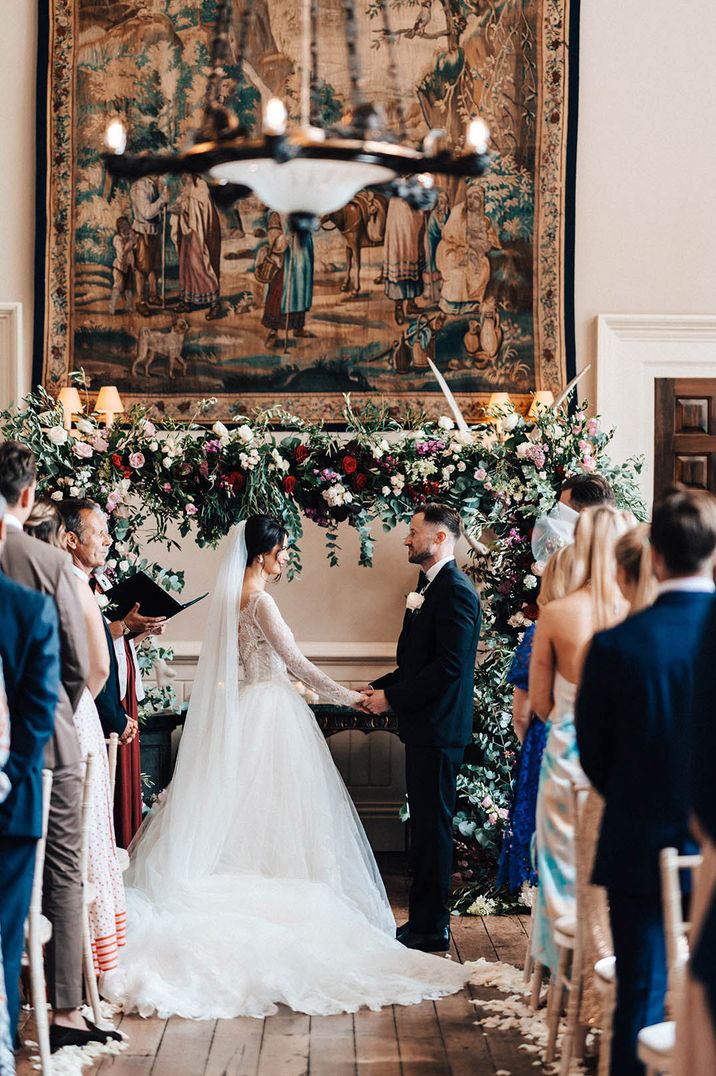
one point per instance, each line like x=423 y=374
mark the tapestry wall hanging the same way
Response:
x=147 y=286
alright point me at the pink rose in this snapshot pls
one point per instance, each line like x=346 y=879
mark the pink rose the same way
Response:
x=98 y=443
x=136 y=460
x=82 y=450
x=149 y=428
x=487 y=802
x=167 y=487
x=492 y=818
x=589 y=463
x=112 y=502
x=191 y=509
x=503 y=812
x=480 y=474
x=593 y=427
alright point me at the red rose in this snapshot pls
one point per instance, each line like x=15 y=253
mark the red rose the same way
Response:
x=289 y=483
x=117 y=461
x=301 y=453
x=236 y=479
x=530 y=612
x=350 y=464
x=360 y=481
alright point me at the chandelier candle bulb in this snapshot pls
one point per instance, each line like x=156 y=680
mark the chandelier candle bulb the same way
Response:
x=115 y=137
x=426 y=180
x=478 y=136
x=275 y=117
x=435 y=142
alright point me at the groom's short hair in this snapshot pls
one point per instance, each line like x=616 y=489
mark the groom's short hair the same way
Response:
x=683 y=529
x=442 y=515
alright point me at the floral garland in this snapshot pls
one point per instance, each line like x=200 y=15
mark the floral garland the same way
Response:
x=500 y=476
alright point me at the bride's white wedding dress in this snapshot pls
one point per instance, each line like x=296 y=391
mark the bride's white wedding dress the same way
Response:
x=254 y=883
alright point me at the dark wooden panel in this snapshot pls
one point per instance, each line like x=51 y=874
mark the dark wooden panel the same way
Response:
x=685 y=433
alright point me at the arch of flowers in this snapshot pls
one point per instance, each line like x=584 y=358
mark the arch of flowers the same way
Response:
x=149 y=474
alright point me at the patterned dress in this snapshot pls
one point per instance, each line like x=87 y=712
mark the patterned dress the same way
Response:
x=7 y=1061
x=108 y=914
x=516 y=860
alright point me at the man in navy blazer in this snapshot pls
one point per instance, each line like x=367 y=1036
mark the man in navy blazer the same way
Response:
x=432 y=691
x=30 y=652
x=632 y=718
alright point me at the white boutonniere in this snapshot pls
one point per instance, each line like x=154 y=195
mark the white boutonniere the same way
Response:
x=414 y=601
x=102 y=600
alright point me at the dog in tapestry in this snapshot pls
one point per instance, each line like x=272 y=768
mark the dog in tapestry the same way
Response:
x=167 y=342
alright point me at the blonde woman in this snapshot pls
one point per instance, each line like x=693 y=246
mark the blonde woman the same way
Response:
x=565 y=628
x=516 y=861
x=635 y=571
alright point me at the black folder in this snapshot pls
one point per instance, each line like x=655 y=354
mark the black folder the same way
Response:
x=153 y=599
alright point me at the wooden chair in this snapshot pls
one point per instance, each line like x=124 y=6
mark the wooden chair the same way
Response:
x=38 y=931
x=89 y=895
x=656 y=1043
x=112 y=742
x=606 y=982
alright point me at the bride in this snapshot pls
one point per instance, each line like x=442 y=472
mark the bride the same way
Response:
x=253 y=883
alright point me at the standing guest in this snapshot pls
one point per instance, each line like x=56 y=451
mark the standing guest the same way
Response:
x=516 y=863
x=563 y=633
x=108 y=913
x=632 y=724
x=696 y=1018
x=635 y=570
x=118 y=702
x=29 y=691
x=431 y=691
x=49 y=570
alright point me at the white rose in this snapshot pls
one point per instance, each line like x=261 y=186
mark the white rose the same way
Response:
x=414 y=600
x=245 y=432
x=84 y=426
x=167 y=463
x=153 y=446
x=521 y=450
x=124 y=565
x=556 y=432
x=347 y=497
x=462 y=466
x=529 y=582
x=220 y=430
x=57 y=495
x=508 y=423
x=58 y=435
x=385 y=491
x=446 y=423
x=102 y=600
x=75 y=491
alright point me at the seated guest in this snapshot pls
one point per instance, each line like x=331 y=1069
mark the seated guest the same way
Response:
x=635 y=570
x=564 y=630
x=696 y=1016
x=516 y=866
x=632 y=724
x=49 y=570
x=30 y=657
x=45 y=524
x=107 y=914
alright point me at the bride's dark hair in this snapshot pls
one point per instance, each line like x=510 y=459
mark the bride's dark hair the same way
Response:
x=262 y=535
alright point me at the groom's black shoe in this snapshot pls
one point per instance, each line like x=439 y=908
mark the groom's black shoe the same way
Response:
x=426 y=943
x=72 y=1036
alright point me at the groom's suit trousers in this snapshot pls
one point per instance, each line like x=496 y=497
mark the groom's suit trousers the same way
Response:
x=431 y=777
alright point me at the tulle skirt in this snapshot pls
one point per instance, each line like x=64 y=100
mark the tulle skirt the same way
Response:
x=293 y=910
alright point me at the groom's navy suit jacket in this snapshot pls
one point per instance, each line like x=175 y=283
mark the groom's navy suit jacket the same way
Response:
x=431 y=691
x=633 y=714
x=30 y=652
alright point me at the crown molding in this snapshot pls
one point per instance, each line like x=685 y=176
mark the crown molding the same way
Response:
x=322 y=653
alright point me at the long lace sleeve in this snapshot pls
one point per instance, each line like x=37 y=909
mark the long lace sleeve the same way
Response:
x=281 y=638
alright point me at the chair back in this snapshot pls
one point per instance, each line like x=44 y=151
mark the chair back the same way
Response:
x=676 y=929
x=36 y=896
x=112 y=745
x=595 y=940
x=86 y=800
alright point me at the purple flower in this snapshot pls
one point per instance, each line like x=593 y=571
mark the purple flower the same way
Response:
x=212 y=446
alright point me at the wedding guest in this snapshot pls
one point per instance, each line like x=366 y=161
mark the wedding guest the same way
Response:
x=563 y=633
x=635 y=571
x=556 y=528
x=45 y=524
x=108 y=913
x=516 y=863
x=118 y=702
x=696 y=1017
x=632 y=724
x=29 y=692
x=43 y=568
x=7 y=1061
x=432 y=692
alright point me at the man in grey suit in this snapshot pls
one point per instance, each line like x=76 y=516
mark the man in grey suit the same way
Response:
x=47 y=569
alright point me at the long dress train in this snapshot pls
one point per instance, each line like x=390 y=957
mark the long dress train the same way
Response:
x=289 y=907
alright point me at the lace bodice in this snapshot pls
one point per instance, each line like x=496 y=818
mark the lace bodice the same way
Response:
x=268 y=651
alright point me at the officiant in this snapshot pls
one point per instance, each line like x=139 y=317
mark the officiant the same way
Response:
x=123 y=692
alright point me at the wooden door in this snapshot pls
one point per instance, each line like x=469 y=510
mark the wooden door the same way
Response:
x=685 y=433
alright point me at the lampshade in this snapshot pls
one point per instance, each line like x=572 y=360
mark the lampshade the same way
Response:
x=69 y=399
x=109 y=403
x=303 y=185
x=541 y=400
x=498 y=401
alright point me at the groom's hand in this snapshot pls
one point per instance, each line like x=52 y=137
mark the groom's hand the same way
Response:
x=376 y=702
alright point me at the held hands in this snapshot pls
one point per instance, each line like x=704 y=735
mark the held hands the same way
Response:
x=374 y=702
x=130 y=731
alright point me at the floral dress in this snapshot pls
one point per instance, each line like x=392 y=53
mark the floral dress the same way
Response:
x=7 y=1061
x=516 y=860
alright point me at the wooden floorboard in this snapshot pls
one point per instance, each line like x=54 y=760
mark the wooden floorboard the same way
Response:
x=440 y=1038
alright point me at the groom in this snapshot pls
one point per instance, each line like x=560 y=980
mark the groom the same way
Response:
x=431 y=691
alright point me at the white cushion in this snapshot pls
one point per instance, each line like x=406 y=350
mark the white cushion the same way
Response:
x=657 y=1042
x=605 y=971
x=565 y=932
